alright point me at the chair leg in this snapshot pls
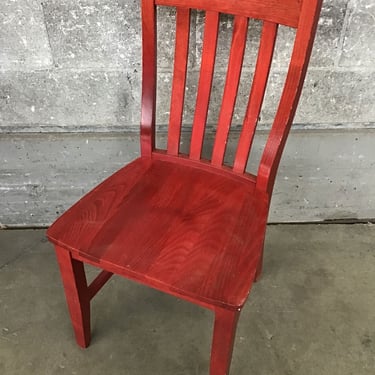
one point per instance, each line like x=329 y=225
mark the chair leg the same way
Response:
x=223 y=340
x=259 y=269
x=77 y=295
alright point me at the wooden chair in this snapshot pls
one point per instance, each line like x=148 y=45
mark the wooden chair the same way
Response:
x=190 y=227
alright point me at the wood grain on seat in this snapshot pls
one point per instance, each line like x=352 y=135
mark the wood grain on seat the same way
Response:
x=194 y=232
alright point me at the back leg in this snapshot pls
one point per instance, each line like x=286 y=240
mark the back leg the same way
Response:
x=259 y=269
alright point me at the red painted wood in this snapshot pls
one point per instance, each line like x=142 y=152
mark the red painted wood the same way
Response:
x=179 y=79
x=115 y=269
x=290 y=96
x=148 y=104
x=189 y=227
x=231 y=87
x=198 y=242
x=205 y=165
x=76 y=293
x=205 y=83
x=285 y=12
x=223 y=340
x=98 y=283
x=264 y=60
x=259 y=269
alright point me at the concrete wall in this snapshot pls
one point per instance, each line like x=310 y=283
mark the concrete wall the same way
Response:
x=70 y=95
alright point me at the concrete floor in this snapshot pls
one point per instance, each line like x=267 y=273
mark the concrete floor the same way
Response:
x=313 y=312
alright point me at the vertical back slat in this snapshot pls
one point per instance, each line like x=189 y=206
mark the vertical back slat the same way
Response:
x=179 y=80
x=304 y=18
x=205 y=83
x=148 y=77
x=231 y=87
x=258 y=88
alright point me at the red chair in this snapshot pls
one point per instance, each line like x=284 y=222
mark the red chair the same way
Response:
x=190 y=227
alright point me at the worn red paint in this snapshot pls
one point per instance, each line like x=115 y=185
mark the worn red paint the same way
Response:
x=189 y=227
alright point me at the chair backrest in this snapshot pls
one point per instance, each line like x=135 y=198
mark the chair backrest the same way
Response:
x=299 y=14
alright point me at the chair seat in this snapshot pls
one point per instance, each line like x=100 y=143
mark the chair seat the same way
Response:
x=177 y=227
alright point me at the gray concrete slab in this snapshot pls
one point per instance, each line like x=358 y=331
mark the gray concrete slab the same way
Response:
x=69 y=63
x=358 y=42
x=322 y=176
x=94 y=34
x=71 y=66
x=24 y=43
x=313 y=312
x=56 y=98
